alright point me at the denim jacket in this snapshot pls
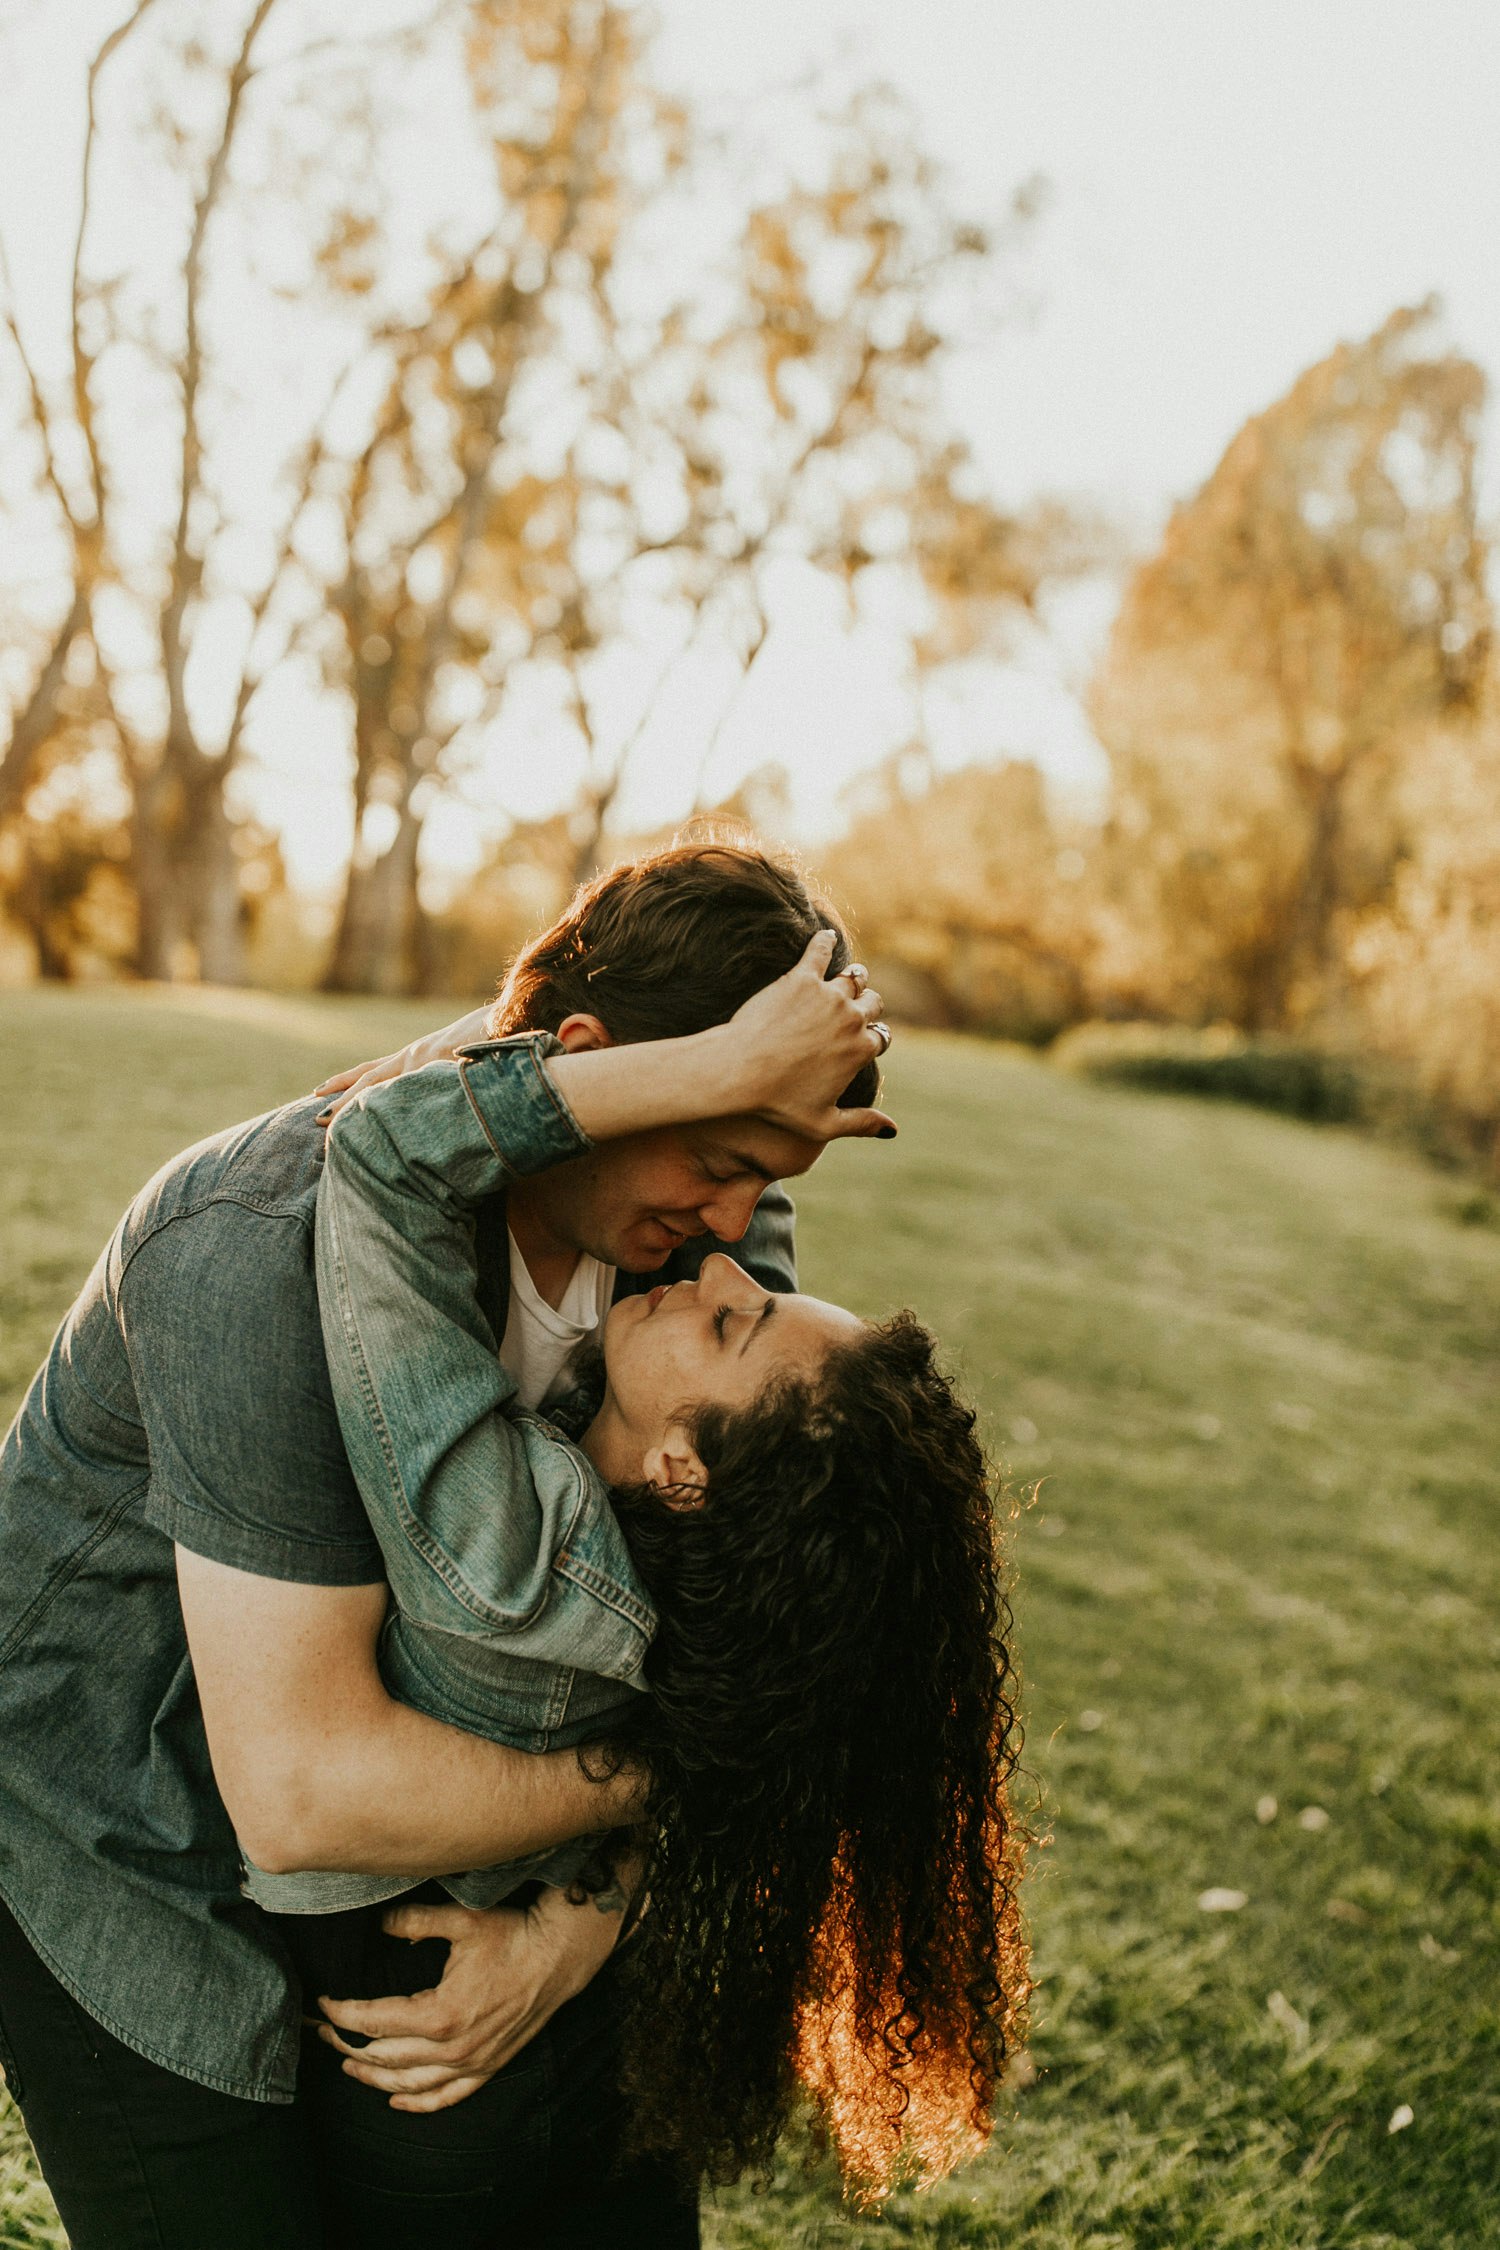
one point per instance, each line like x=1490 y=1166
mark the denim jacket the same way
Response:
x=516 y=1610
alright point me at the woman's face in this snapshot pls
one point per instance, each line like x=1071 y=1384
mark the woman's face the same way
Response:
x=716 y=1341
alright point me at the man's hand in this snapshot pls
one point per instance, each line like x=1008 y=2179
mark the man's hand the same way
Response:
x=436 y=1046
x=508 y=1971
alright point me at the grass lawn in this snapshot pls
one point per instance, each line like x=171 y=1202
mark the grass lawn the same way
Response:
x=1249 y=1369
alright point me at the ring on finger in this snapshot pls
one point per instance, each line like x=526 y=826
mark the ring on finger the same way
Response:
x=858 y=975
x=884 y=1031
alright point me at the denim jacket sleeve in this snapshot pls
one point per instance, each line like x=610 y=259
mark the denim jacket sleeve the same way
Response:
x=491 y=1526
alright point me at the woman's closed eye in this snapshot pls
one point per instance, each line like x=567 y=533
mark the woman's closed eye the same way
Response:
x=757 y=1320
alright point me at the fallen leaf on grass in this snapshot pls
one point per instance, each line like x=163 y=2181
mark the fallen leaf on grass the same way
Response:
x=1266 y=1809
x=1020 y=2073
x=1089 y=1722
x=1345 y=1910
x=1401 y=2116
x=1222 y=1902
x=1312 y=1818
x=1286 y=2018
x=1444 y=1955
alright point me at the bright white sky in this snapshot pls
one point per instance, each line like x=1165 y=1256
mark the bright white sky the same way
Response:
x=1235 y=188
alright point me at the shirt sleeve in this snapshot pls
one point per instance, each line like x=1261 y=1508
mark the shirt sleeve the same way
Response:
x=219 y=1312
x=473 y=1501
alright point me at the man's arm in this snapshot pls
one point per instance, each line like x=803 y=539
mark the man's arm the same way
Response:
x=320 y=1768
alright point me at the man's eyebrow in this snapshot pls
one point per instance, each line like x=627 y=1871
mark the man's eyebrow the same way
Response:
x=747 y=1163
x=766 y=1310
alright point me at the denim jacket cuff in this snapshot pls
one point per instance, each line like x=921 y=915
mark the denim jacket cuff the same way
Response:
x=517 y=1104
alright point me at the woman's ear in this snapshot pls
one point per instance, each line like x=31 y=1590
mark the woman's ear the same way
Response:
x=581 y=1034
x=674 y=1468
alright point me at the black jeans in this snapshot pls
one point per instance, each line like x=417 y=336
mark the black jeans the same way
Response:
x=136 y=2157
x=529 y=2162
x=139 y=2158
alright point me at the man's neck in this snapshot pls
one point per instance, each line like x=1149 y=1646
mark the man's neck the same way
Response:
x=550 y=1261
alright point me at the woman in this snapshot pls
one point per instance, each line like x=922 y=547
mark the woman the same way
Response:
x=806 y=1586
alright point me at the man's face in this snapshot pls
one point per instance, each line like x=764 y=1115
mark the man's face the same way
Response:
x=631 y=1202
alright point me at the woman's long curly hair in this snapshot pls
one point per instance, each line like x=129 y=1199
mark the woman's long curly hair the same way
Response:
x=833 y=1878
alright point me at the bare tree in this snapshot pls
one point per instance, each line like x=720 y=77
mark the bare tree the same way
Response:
x=778 y=404
x=576 y=418
x=146 y=581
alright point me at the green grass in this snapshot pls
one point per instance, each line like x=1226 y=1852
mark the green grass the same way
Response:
x=1251 y=1366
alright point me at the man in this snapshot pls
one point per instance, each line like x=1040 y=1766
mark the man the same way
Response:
x=191 y=1599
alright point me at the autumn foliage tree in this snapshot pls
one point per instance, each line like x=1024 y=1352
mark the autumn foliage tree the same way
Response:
x=1313 y=613
x=968 y=894
x=1424 y=964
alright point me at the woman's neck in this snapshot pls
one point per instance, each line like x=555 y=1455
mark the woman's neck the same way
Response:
x=611 y=1446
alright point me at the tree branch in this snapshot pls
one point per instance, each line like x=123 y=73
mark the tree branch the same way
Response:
x=186 y=565
x=83 y=360
x=35 y=721
x=40 y=412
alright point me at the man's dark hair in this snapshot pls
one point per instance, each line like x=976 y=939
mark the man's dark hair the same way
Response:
x=673 y=943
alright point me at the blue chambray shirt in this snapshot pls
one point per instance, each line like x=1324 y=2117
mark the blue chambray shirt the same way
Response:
x=186 y=1400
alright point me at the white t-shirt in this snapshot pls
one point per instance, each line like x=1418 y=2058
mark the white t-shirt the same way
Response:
x=539 y=1343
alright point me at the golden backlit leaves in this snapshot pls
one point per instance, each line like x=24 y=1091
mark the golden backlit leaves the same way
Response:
x=1311 y=614
x=954 y=885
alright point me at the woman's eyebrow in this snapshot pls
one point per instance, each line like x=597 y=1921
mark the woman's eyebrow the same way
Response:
x=766 y=1310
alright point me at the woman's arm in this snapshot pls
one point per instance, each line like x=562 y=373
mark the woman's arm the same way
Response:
x=778 y=1057
x=470 y=1505
x=785 y=1056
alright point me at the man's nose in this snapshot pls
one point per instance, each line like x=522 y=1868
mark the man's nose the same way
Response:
x=729 y=1215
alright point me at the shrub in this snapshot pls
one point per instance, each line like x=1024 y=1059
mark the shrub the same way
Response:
x=1316 y=1084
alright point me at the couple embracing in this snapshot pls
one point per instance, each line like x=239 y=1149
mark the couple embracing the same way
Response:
x=501 y=1698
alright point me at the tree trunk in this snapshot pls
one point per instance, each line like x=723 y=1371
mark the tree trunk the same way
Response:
x=190 y=921
x=210 y=877
x=377 y=943
x=1295 y=969
x=161 y=922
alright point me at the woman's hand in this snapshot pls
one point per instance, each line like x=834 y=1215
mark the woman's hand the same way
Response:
x=436 y=1046
x=509 y=1970
x=786 y=1056
x=799 y=1042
